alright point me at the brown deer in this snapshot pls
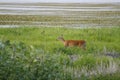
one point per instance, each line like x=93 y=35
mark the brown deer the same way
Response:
x=79 y=43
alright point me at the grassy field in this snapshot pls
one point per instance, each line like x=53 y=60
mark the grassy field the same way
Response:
x=96 y=39
x=34 y=53
x=29 y=49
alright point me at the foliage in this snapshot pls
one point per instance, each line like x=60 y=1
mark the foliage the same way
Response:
x=18 y=61
x=30 y=53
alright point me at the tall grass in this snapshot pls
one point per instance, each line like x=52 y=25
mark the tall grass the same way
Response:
x=34 y=53
x=96 y=39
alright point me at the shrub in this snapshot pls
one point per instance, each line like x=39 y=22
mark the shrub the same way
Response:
x=18 y=61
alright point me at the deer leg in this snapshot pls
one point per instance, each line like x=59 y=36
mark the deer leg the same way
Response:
x=83 y=46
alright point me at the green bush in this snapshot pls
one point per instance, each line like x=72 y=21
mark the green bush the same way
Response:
x=18 y=61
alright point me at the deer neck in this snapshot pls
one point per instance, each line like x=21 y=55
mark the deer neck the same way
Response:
x=62 y=40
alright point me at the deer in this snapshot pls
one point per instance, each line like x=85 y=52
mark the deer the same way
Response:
x=71 y=43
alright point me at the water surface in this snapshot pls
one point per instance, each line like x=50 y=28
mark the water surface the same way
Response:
x=65 y=14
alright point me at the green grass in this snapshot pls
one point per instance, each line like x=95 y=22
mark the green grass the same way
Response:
x=101 y=58
x=96 y=39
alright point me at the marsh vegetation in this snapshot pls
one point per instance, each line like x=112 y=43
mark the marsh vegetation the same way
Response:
x=60 y=14
x=29 y=49
x=34 y=53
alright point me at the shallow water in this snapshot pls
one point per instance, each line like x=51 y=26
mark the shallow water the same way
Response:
x=39 y=9
x=73 y=15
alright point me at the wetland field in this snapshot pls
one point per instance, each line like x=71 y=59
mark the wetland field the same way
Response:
x=29 y=49
x=60 y=14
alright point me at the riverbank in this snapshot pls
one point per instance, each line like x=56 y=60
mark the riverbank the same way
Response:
x=60 y=14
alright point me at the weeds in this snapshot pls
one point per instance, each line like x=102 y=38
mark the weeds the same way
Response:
x=25 y=53
x=18 y=60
